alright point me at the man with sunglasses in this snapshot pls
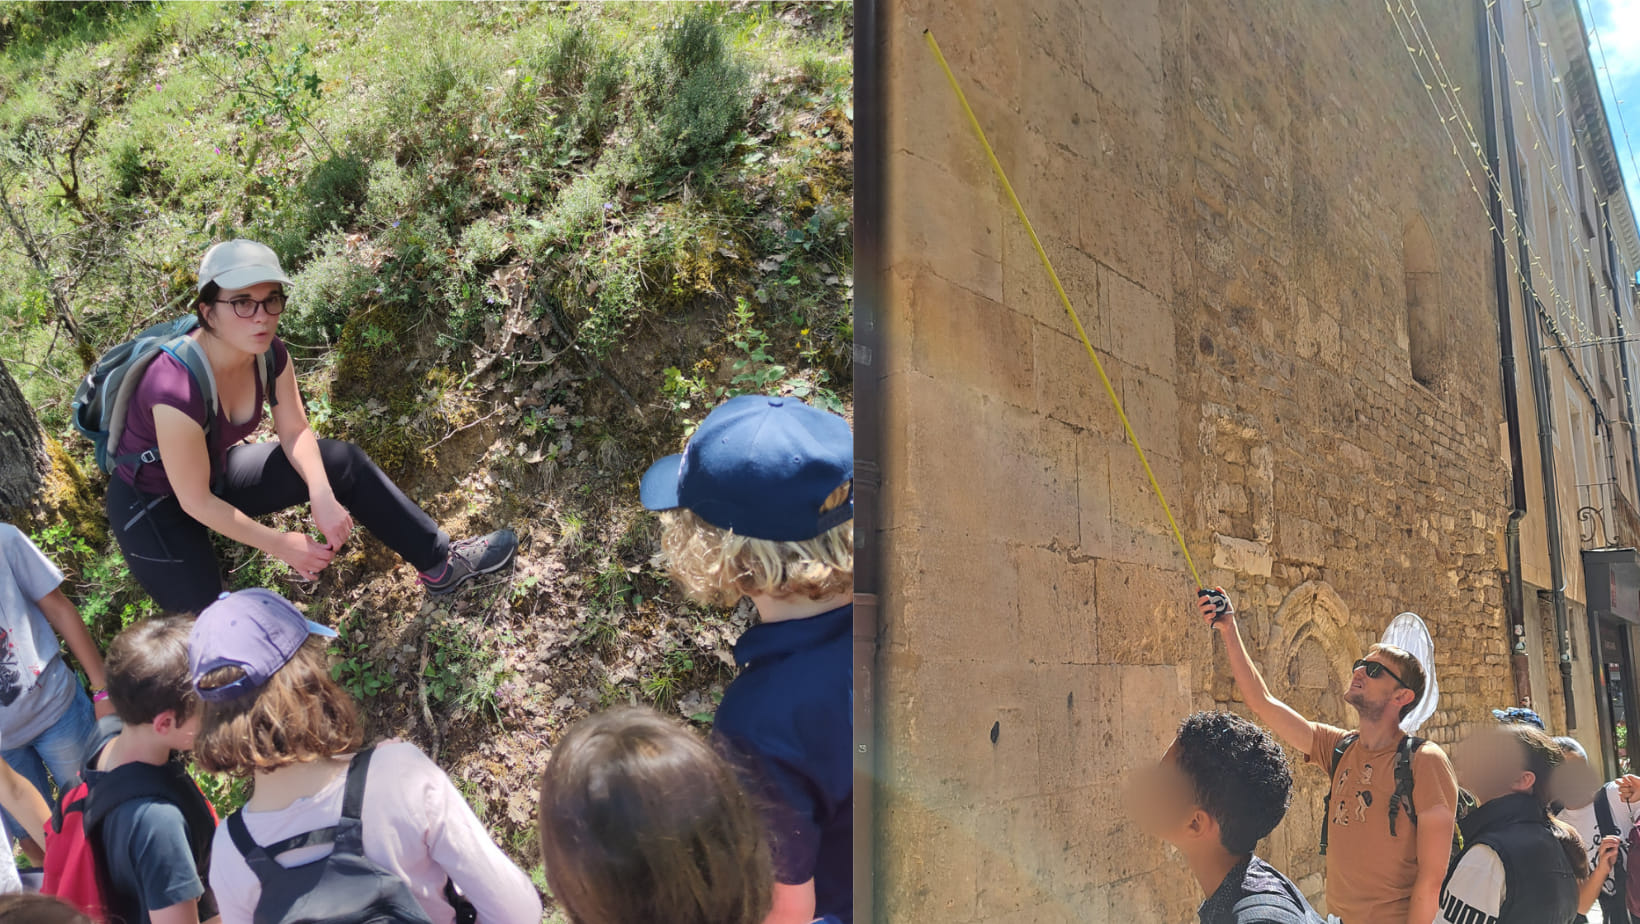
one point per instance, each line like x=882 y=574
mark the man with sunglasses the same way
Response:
x=1387 y=850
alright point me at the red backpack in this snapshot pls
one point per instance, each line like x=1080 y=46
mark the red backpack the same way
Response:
x=74 y=869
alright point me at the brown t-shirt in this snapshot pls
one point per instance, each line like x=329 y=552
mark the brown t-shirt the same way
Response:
x=1369 y=873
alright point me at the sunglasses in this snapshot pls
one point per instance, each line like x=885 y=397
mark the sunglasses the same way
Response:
x=1375 y=670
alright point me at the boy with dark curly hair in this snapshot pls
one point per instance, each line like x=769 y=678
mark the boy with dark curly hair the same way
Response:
x=1222 y=785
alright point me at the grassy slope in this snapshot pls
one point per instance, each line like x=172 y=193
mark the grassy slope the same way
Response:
x=515 y=285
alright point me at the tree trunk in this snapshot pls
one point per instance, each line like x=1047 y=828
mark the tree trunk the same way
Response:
x=23 y=462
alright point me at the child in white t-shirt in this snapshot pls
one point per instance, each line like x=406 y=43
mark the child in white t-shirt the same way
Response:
x=1602 y=816
x=273 y=712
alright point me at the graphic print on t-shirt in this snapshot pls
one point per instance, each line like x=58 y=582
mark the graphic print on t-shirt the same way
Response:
x=1340 y=815
x=1609 y=887
x=10 y=680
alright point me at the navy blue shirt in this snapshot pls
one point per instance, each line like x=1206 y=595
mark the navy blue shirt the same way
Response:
x=788 y=723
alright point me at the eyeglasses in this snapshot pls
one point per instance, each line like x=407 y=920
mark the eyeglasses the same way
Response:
x=1375 y=670
x=246 y=307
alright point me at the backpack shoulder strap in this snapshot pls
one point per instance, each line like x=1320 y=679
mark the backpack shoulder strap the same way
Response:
x=350 y=827
x=1332 y=772
x=1339 y=749
x=1603 y=814
x=187 y=351
x=123 y=784
x=258 y=859
x=1403 y=781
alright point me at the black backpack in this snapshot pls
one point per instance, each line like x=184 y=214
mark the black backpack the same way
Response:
x=103 y=398
x=1402 y=800
x=76 y=868
x=344 y=887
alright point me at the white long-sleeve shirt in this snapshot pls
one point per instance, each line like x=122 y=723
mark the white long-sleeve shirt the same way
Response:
x=416 y=826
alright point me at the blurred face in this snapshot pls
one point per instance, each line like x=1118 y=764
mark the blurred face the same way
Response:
x=1374 y=697
x=179 y=737
x=1162 y=801
x=1574 y=782
x=1492 y=763
x=251 y=334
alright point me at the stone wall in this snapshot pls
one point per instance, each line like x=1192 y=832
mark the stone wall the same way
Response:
x=1227 y=193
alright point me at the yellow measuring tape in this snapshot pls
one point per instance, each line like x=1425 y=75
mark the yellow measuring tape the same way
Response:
x=1066 y=301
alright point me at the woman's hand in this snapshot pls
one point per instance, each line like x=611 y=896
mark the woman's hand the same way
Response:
x=103 y=708
x=333 y=521
x=1607 y=858
x=307 y=557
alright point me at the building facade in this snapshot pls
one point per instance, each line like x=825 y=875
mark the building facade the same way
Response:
x=1281 y=250
x=1571 y=259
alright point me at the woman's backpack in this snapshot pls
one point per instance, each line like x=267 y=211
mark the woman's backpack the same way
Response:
x=103 y=398
x=345 y=887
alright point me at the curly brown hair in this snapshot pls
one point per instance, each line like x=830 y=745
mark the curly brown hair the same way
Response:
x=300 y=714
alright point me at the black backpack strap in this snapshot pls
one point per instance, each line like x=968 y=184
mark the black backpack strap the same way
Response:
x=260 y=861
x=1403 y=781
x=349 y=828
x=1603 y=815
x=1332 y=772
x=169 y=783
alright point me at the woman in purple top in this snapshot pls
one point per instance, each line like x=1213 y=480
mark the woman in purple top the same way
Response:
x=162 y=512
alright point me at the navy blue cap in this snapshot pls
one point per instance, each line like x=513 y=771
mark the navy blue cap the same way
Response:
x=255 y=630
x=761 y=466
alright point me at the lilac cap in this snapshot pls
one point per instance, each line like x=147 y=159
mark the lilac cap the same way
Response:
x=256 y=630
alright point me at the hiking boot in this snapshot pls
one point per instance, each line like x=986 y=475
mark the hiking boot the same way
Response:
x=470 y=558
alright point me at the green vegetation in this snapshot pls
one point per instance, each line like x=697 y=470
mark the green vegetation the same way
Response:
x=533 y=243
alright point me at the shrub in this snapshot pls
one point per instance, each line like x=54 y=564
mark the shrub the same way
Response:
x=690 y=95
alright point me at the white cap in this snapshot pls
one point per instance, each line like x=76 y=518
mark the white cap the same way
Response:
x=1409 y=633
x=239 y=263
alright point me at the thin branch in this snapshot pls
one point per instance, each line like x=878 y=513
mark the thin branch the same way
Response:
x=19 y=227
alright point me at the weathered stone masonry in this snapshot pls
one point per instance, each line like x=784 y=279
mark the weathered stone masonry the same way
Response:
x=1225 y=191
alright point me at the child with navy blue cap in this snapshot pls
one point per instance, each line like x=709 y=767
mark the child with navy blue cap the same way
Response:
x=760 y=504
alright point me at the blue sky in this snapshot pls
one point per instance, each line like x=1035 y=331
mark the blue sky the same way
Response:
x=1617 y=25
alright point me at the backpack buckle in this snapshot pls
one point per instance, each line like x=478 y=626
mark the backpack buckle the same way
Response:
x=148 y=457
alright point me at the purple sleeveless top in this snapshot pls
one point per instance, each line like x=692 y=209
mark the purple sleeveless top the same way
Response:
x=167 y=381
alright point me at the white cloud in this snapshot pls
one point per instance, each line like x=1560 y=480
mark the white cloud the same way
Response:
x=1618 y=23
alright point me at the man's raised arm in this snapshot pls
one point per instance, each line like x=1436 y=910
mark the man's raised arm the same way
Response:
x=1280 y=717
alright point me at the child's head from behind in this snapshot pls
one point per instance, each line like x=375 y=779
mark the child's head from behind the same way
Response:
x=26 y=908
x=148 y=679
x=760 y=503
x=1576 y=782
x=264 y=674
x=642 y=821
x=1223 y=781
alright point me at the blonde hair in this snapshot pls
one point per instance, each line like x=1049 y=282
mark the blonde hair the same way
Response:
x=716 y=566
x=300 y=714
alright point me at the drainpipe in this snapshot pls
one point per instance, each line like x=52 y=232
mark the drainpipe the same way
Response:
x=1514 y=591
x=1541 y=399
x=870 y=197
